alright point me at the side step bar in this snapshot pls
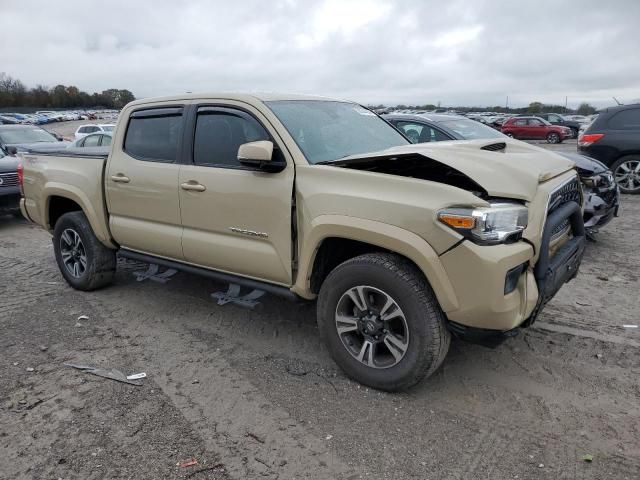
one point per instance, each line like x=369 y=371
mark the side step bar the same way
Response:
x=213 y=274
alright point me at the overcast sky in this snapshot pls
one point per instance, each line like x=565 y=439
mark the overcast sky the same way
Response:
x=372 y=51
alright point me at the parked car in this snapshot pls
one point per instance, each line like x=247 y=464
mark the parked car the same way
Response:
x=84 y=130
x=614 y=139
x=6 y=120
x=557 y=119
x=22 y=138
x=602 y=198
x=403 y=245
x=92 y=140
x=9 y=185
x=535 y=128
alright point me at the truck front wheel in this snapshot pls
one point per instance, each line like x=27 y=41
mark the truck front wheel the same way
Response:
x=85 y=263
x=381 y=321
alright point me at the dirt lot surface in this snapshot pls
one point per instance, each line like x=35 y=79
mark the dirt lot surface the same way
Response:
x=254 y=394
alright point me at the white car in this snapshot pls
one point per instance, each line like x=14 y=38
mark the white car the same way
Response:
x=101 y=139
x=85 y=130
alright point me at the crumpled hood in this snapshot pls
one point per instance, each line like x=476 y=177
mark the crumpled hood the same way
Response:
x=512 y=172
x=586 y=166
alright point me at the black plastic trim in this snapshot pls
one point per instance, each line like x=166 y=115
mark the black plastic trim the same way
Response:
x=481 y=336
x=213 y=274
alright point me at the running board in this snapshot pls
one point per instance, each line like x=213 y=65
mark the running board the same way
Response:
x=212 y=274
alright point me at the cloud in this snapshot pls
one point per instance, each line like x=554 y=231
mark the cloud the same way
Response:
x=372 y=51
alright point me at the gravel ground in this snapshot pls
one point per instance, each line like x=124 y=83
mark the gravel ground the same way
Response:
x=254 y=394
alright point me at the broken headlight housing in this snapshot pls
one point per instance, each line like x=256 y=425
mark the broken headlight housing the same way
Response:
x=502 y=222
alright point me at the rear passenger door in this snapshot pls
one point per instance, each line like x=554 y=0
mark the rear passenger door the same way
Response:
x=142 y=182
x=236 y=218
x=536 y=129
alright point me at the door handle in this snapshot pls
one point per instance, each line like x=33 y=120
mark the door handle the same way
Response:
x=193 y=186
x=120 y=178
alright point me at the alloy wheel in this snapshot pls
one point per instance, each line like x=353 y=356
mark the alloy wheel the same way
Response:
x=628 y=175
x=372 y=327
x=74 y=255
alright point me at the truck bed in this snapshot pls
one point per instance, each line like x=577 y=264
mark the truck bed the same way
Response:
x=75 y=175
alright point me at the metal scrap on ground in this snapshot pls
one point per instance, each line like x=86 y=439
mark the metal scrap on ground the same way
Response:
x=111 y=373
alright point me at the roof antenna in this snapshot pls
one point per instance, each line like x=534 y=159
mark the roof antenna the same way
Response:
x=617 y=101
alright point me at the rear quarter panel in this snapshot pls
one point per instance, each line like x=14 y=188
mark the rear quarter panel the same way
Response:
x=79 y=179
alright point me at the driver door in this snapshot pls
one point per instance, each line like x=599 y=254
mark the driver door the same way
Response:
x=235 y=218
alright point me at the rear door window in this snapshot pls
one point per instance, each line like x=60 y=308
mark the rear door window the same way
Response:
x=626 y=120
x=155 y=134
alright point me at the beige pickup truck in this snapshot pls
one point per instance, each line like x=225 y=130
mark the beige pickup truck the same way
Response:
x=402 y=245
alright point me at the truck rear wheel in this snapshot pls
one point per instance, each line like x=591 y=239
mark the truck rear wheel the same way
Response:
x=85 y=263
x=381 y=322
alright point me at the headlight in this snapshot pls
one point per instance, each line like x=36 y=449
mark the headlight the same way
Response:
x=502 y=222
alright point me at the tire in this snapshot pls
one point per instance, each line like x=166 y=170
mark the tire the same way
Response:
x=553 y=137
x=381 y=277
x=626 y=171
x=73 y=241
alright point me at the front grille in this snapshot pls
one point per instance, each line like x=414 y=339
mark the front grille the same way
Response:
x=8 y=180
x=569 y=192
x=560 y=229
x=608 y=196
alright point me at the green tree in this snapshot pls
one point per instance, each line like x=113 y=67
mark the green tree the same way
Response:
x=535 y=107
x=585 y=109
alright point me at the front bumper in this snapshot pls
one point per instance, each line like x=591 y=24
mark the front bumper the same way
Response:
x=9 y=199
x=478 y=274
x=601 y=206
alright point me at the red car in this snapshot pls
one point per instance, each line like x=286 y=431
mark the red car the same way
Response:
x=534 y=128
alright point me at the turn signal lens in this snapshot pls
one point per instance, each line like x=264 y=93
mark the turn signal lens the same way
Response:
x=458 y=221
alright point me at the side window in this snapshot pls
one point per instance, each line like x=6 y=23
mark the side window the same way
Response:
x=106 y=140
x=154 y=135
x=626 y=120
x=91 y=141
x=92 y=129
x=220 y=132
x=520 y=122
x=411 y=130
x=534 y=122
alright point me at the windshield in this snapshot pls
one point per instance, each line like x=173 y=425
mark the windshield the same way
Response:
x=327 y=131
x=470 y=129
x=26 y=135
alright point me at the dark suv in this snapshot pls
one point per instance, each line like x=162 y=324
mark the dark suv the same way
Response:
x=614 y=139
x=557 y=119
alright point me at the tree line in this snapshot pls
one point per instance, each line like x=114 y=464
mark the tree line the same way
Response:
x=534 y=107
x=13 y=93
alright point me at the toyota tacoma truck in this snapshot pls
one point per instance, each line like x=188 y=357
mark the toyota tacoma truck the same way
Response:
x=402 y=246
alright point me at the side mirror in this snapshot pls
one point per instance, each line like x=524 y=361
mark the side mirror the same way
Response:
x=255 y=154
x=13 y=151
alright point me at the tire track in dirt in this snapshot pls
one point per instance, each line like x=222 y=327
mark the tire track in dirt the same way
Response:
x=254 y=437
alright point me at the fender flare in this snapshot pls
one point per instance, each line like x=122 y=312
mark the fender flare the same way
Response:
x=389 y=237
x=97 y=220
